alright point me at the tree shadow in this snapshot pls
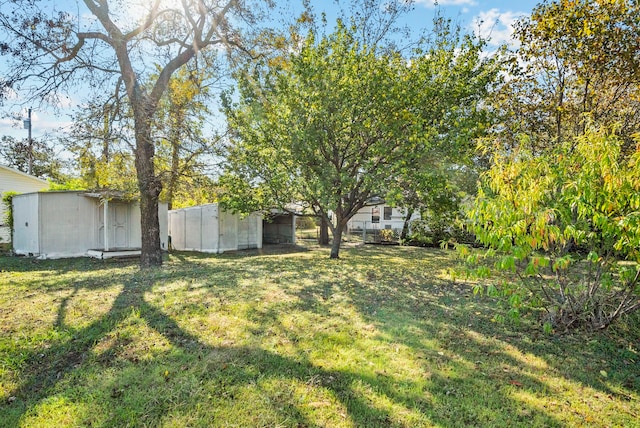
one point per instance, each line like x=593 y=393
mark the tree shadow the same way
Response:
x=469 y=334
x=396 y=310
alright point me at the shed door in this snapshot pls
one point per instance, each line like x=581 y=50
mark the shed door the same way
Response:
x=118 y=225
x=247 y=233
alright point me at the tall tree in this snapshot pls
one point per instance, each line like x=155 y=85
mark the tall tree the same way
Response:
x=577 y=58
x=102 y=142
x=338 y=121
x=179 y=128
x=101 y=44
x=45 y=161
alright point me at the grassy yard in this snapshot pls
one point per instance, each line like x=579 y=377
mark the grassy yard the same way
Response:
x=380 y=338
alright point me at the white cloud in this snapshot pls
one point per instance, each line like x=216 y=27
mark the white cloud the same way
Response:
x=496 y=25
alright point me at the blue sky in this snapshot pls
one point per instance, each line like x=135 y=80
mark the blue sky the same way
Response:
x=496 y=16
x=490 y=17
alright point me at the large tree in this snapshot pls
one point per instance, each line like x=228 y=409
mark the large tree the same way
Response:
x=559 y=203
x=576 y=58
x=337 y=122
x=102 y=142
x=184 y=151
x=40 y=154
x=108 y=44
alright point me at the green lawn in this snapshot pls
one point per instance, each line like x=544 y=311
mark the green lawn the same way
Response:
x=382 y=337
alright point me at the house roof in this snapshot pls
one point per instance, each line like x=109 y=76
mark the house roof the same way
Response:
x=24 y=174
x=374 y=200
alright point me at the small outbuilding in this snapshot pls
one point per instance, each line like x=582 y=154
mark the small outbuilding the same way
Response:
x=79 y=223
x=279 y=227
x=12 y=180
x=210 y=229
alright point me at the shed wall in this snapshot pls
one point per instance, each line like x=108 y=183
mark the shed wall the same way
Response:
x=209 y=229
x=67 y=224
x=163 y=218
x=177 y=220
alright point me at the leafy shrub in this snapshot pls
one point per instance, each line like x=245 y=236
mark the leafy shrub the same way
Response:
x=306 y=223
x=387 y=235
x=534 y=211
x=7 y=200
x=435 y=231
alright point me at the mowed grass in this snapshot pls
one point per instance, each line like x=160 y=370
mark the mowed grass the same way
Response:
x=382 y=337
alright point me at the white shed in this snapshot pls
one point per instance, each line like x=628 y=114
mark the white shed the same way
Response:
x=72 y=224
x=12 y=180
x=209 y=229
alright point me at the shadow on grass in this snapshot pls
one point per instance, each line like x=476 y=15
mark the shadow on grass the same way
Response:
x=410 y=308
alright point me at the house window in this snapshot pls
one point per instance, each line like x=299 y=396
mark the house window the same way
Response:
x=375 y=215
x=387 y=213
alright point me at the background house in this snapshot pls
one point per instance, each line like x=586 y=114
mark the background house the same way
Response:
x=210 y=229
x=79 y=223
x=378 y=215
x=12 y=180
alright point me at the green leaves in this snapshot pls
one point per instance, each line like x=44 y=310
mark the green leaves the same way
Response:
x=340 y=121
x=576 y=60
x=535 y=212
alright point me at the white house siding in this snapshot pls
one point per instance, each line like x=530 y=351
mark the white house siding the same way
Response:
x=364 y=218
x=12 y=180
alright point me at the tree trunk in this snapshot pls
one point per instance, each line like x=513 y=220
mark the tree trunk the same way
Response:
x=150 y=188
x=337 y=240
x=338 y=230
x=405 y=226
x=323 y=239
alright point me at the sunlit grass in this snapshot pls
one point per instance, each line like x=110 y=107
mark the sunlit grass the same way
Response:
x=382 y=337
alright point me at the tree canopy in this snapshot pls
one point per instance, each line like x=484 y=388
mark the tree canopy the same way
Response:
x=577 y=61
x=102 y=44
x=559 y=204
x=45 y=161
x=337 y=121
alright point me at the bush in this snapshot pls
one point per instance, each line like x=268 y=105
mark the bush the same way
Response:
x=387 y=235
x=7 y=200
x=439 y=231
x=534 y=211
x=306 y=223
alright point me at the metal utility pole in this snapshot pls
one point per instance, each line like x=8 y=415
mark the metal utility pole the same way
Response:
x=27 y=124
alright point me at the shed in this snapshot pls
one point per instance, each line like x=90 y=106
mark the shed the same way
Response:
x=79 y=223
x=12 y=180
x=279 y=227
x=210 y=229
